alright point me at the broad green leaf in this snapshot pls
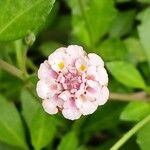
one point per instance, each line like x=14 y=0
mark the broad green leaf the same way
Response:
x=8 y=147
x=126 y=74
x=143 y=137
x=129 y=145
x=135 y=50
x=19 y=17
x=123 y=24
x=123 y=1
x=135 y=111
x=69 y=142
x=91 y=19
x=105 y=117
x=144 y=31
x=112 y=46
x=144 y=1
x=42 y=126
x=9 y=82
x=11 y=128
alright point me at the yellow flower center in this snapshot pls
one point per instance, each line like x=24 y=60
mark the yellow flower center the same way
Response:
x=82 y=67
x=61 y=65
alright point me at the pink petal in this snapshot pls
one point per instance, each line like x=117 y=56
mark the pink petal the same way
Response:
x=91 y=90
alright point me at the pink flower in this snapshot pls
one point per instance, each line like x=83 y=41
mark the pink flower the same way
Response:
x=72 y=82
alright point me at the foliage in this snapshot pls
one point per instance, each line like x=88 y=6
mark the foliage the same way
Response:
x=117 y=30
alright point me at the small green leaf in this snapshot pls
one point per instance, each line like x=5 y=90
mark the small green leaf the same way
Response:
x=144 y=31
x=20 y=17
x=11 y=128
x=105 y=117
x=143 y=138
x=92 y=19
x=126 y=74
x=144 y=1
x=123 y=23
x=8 y=147
x=135 y=111
x=69 y=142
x=42 y=126
x=135 y=50
x=112 y=46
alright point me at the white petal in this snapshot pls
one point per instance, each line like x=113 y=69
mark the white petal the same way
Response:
x=58 y=58
x=42 y=89
x=95 y=60
x=70 y=111
x=80 y=91
x=81 y=63
x=92 y=73
x=65 y=95
x=45 y=72
x=61 y=50
x=93 y=88
x=103 y=96
x=49 y=106
x=71 y=114
x=102 y=76
x=86 y=105
x=75 y=51
x=91 y=70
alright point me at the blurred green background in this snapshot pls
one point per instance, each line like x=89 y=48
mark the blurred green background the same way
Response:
x=117 y=30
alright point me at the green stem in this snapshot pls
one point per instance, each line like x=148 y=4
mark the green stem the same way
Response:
x=11 y=69
x=86 y=22
x=21 y=56
x=138 y=96
x=130 y=133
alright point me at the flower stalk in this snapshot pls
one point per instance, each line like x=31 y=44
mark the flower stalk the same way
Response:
x=130 y=133
x=11 y=69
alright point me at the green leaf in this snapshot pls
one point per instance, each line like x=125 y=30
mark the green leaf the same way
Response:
x=8 y=82
x=144 y=1
x=69 y=142
x=11 y=128
x=126 y=74
x=144 y=31
x=112 y=46
x=123 y=24
x=18 y=18
x=135 y=50
x=91 y=19
x=143 y=137
x=8 y=147
x=135 y=111
x=42 y=126
x=105 y=117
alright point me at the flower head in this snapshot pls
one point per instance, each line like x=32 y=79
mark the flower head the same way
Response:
x=72 y=82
